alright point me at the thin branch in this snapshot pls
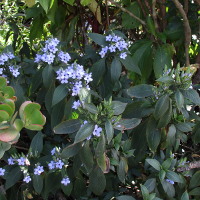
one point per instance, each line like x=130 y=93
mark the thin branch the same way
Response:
x=187 y=30
x=154 y=14
x=127 y=11
x=192 y=165
x=186 y=6
x=107 y=15
x=142 y=8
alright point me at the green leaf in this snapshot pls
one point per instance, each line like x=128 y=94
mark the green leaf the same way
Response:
x=162 y=175
x=174 y=177
x=179 y=99
x=67 y=189
x=171 y=135
x=195 y=180
x=45 y=4
x=153 y=135
x=13 y=176
x=90 y=107
x=129 y=64
x=59 y=94
x=141 y=91
x=151 y=26
x=100 y=148
x=98 y=38
x=67 y=127
x=185 y=196
x=162 y=105
x=118 y=107
x=154 y=163
x=125 y=197
x=129 y=22
x=166 y=117
x=97 y=181
x=57 y=113
x=87 y=157
x=116 y=69
x=126 y=124
x=71 y=150
x=195 y=192
x=109 y=131
x=150 y=184
x=184 y=127
x=47 y=75
x=84 y=132
x=122 y=169
x=49 y=97
x=37 y=27
x=145 y=192
x=162 y=59
x=38 y=183
x=85 y=2
x=168 y=188
x=192 y=95
x=4 y=146
x=36 y=146
x=70 y=2
x=98 y=70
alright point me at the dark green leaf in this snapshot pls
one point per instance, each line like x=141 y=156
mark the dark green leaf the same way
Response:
x=185 y=196
x=38 y=183
x=141 y=91
x=118 y=107
x=116 y=69
x=174 y=177
x=109 y=131
x=179 y=99
x=192 y=95
x=195 y=180
x=150 y=184
x=195 y=191
x=37 y=144
x=97 y=181
x=145 y=192
x=125 y=197
x=71 y=150
x=59 y=94
x=153 y=135
x=154 y=163
x=90 y=107
x=87 y=157
x=162 y=105
x=162 y=59
x=122 y=169
x=129 y=64
x=47 y=75
x=13 y=176
x=84 y=132
x=67 y=127
x=168 y=188
x=98 y=38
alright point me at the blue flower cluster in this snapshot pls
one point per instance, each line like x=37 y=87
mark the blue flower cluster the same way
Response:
x=75 y=76
x=115 y=44
x=50 y=53
x=5 y=61
x=23 y=162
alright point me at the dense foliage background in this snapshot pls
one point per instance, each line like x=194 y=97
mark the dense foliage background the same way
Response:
x=99 y=99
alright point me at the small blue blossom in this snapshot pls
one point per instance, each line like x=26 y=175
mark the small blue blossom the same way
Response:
x=97 y=131
x=123 y=55
x=38 y=170
x=11 y=161
x=59 y=164
x=53 y=151
x=65 y=181
x=64 y=57
x=76 y=104
x=52 y=165
x=1 y=70
x=170 y=181
x=14 y=70
x=21 y=161
x=2 y=171
x=27 y=179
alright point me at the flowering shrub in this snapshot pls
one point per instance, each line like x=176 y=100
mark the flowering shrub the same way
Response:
x=105 y=137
